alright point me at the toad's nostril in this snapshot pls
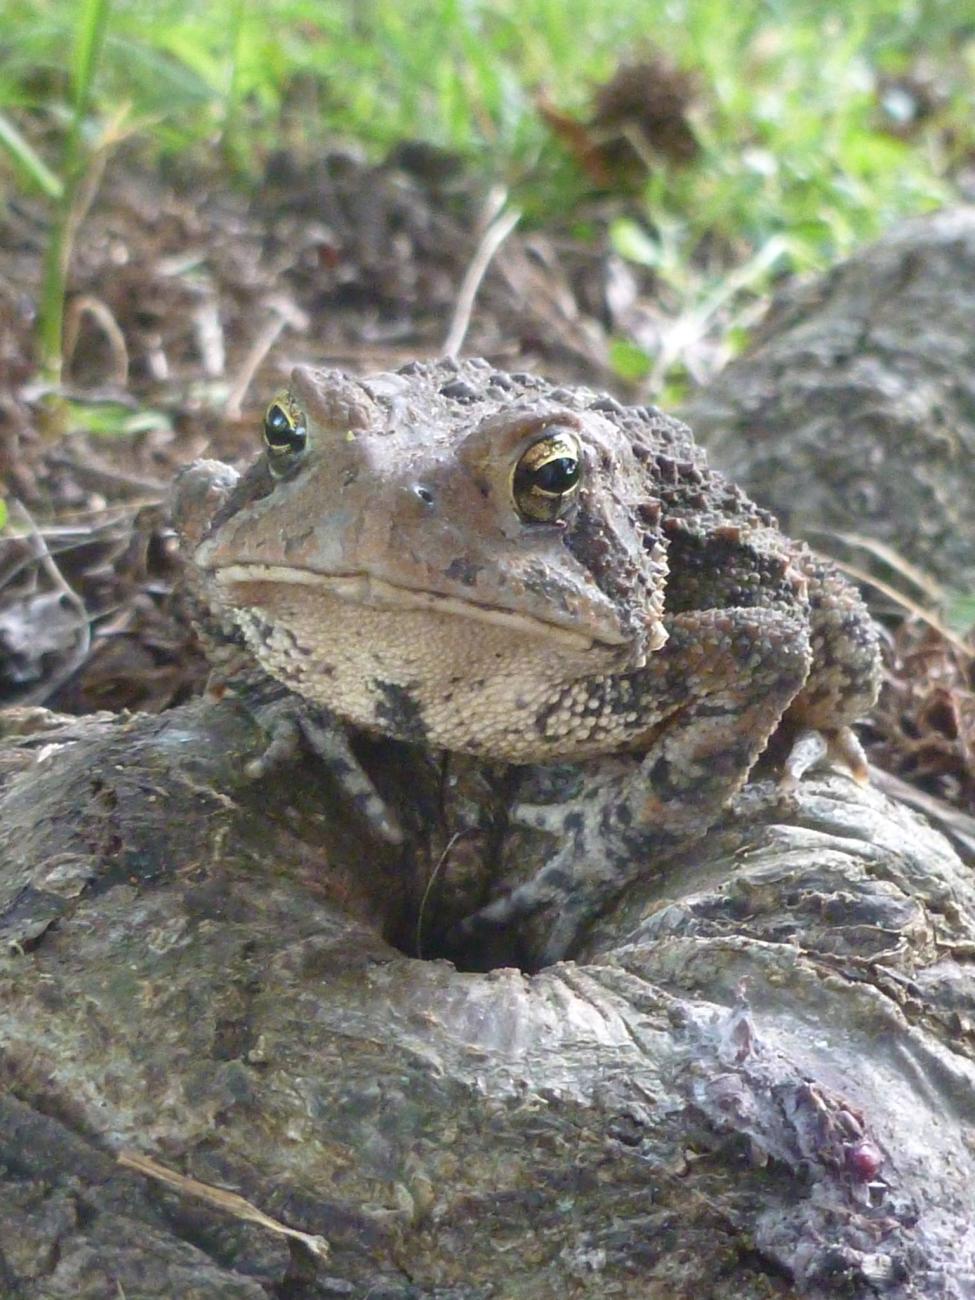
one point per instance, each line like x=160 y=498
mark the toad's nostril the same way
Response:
x=423 y=493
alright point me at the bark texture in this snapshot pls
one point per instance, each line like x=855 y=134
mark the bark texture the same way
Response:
x=855 y=407
x=756 y=1084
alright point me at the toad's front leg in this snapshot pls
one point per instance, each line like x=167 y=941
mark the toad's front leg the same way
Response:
x=711 y=698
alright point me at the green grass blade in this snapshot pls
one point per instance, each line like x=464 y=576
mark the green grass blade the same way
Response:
x=30 y=166
x=92 y=21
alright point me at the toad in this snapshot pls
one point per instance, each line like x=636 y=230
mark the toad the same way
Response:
x=483 y=562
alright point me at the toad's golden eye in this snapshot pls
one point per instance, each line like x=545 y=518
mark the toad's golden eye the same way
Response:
x=546 y=478
x=285 y=433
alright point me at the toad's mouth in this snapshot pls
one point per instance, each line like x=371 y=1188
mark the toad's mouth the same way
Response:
x=585 y=631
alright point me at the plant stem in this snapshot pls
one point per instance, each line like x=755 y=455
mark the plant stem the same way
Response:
x=92 y=20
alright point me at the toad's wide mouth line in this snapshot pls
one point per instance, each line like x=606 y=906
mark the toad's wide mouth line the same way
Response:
x=367 y=590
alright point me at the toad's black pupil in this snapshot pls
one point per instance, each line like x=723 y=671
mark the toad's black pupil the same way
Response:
x=280 y=431
x=558 y=475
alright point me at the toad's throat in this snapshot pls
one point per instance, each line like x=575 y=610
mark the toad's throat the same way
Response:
x=588 y=631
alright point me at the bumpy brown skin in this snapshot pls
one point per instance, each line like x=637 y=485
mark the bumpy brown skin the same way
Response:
x=387 y=575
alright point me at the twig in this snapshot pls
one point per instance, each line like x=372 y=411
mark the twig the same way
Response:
x=931 y=588
x=208 y=328
x=230 y=1202
x=282 y=312
x=77 y=657
x=958 y=826
x=905 y=602
x=441 y=863
x=101 y=314
x=498 y=226
x=72 y=538
x=103 y=477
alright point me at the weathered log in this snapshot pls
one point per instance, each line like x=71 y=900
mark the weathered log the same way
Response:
x=757 y=1084
x=854 y=408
